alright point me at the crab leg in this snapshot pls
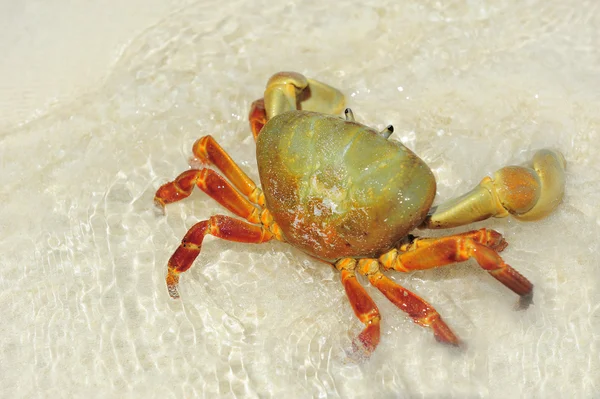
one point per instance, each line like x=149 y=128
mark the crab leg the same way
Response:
x=363 y=306
x=208 y=151
x=420 y=311
x=219 y=226
x=429 y=253
x=490 y=238
x=257 y=116
x=212 y=184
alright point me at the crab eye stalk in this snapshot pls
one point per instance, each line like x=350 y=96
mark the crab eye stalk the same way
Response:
x=349 y=114
x=387 y=132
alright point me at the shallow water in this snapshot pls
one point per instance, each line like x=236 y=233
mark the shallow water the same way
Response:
x=468 y=85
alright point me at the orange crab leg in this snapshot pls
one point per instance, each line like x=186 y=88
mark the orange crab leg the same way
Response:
x=208 y=151
x=490 y=238
x=420 y=311
x=220 y=226
x=430 y=253
x=212 y=184
x=364 y=307
x=257 y=116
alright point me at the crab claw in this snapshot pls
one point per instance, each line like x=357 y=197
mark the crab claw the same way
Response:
x=525 y=193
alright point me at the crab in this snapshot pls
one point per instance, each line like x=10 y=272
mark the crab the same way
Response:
x=346 y=195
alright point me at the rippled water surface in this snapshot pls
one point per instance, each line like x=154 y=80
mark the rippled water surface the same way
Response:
x=469 y=85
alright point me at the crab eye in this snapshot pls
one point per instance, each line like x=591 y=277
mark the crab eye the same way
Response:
x=349 y=114
x=387 y=132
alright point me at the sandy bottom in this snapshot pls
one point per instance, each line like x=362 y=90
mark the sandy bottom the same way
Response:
x=468 y=85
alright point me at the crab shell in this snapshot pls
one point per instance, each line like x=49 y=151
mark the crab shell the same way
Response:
x=339 y=189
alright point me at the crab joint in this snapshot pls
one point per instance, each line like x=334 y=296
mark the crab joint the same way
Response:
x=390 y=260
x=368 y=267
x=267 y=220
x=257 y=197
x=348 y=264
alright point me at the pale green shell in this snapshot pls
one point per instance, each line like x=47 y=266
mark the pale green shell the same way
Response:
x=340 y=189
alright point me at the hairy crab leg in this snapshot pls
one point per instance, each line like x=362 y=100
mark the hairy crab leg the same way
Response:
x=220 y=226
x=420 y=311
x=208 y=151
x=443 y=251
x=364 y=307
x=212 y=184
